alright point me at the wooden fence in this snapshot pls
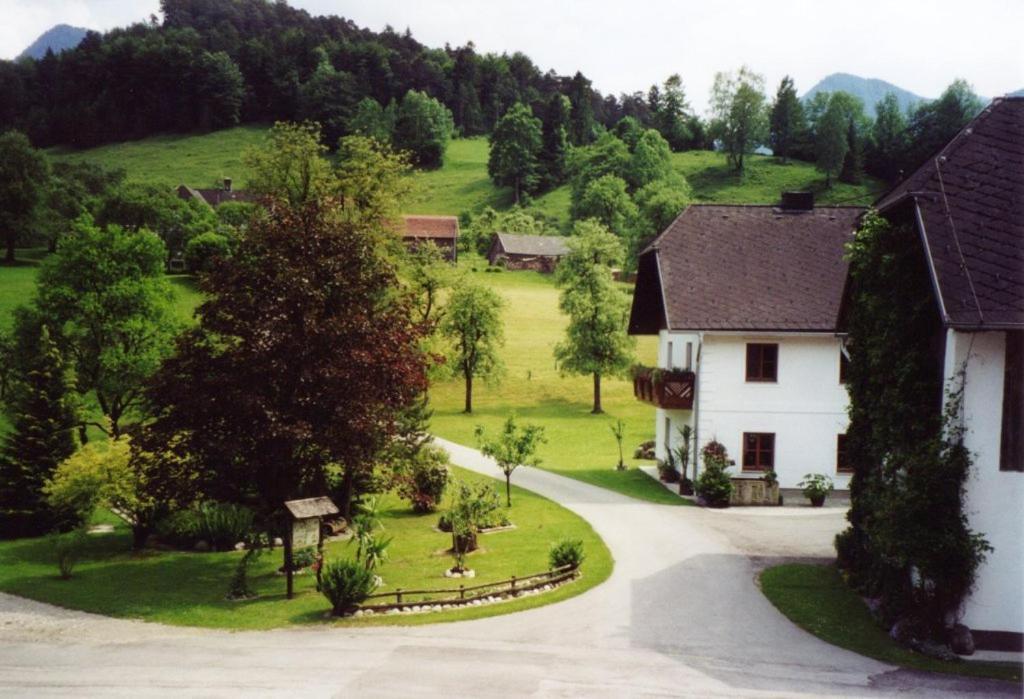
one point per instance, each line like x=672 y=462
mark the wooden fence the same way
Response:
x=466 y=595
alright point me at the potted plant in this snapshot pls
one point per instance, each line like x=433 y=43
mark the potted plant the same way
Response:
x=683 y=457
x=816 y=487
x=714 y=485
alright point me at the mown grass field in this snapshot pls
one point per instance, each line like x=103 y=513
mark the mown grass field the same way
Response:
x=184 y=588
x=815 y=598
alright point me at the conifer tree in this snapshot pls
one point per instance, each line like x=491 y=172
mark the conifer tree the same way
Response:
x=42 y=435
x=853 y=162
x=787 y=119
x=555 y=141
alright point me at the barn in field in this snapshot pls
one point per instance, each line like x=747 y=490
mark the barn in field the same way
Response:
x=537 y=252
x=442 y=231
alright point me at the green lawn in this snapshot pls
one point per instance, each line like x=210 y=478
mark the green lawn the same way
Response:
x=815 y=598
x=462 y=184
x=188 y=588
x=580 y=445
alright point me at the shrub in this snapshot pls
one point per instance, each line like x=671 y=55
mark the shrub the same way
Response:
x=713 y=484
x=346 y=584
x=427 y=476
x=201 y=251
x=221 y=525
x=667 y=470
x=67 y=549
x=566 y=552
x=303 y=558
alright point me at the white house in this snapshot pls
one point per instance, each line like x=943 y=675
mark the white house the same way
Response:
x=967 y=204
x=744 y=300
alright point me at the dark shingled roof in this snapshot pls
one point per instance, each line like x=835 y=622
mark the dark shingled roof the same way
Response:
x=971 y=201
x=534 y=245
x=746 y=268
x=430 y=227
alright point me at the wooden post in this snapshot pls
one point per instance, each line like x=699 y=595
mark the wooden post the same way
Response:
x=462 y=592
x=319 y=553
x=513 y=586
x=288 y=561
x=398 y=595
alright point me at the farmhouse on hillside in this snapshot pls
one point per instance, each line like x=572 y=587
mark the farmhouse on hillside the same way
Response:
x=537 y=252
x=744 y=301
x=214 y=197
x=442 y=231
x=965 y=210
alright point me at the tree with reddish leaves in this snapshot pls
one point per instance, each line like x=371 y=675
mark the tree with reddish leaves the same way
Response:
x=303 y=358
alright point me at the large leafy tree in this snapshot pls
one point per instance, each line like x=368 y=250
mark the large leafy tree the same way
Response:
x=220 y=89
x=105 y=294
x=423 y=127
x=651 y=159
x=515 y=147
x=596 y=342
x=370 y=179
x=472 y=323
x=933 y=124
x=555 y=141
x=787 y=120
x=831 y=140
x=607 y=200
x=329 y=98
x=24 y=173
x=302 y=359
x=739 y=118
x=888 y=144
x=43 y=419
x=289 y=166
x=670 y=116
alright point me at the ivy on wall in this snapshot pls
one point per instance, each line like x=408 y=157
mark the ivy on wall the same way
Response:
x=908 y=543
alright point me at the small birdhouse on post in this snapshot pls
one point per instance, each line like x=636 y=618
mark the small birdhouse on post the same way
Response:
x=305 y=530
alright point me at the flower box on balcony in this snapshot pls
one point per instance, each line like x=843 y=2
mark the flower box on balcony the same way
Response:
x=670 y=389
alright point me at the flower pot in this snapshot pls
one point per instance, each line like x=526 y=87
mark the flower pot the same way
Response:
x=817 y=500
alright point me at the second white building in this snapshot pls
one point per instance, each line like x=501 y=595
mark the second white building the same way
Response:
x=744 y=300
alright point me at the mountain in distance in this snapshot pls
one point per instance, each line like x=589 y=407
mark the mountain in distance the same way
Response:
x=869 y=90
x=57 y=39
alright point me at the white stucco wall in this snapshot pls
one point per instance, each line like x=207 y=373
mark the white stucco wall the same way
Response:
x=995 y=499
x=805 y=408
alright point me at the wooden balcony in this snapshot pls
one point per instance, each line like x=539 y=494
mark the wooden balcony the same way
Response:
x=670 y=389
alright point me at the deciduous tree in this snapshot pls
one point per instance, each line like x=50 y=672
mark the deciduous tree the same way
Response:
x=303 y=358
x=831 y=140
x=596 y=342
x=607 y=201
x=886 y=150
x=515 y=148
x=423 y=127
x=106 y=291
x=24 y=173
x=289 y=165
x=472 y=323
x=739 y=117
x=515 y=446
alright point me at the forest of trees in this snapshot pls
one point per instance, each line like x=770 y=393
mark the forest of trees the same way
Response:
x=211 y=64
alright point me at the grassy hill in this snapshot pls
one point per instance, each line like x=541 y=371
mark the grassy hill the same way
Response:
x=462 y=184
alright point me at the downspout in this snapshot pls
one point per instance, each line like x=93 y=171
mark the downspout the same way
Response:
x=696 y=406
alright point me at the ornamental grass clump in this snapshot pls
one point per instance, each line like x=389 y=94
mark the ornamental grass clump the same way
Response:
x=714 y=486
x=346 y=584
x=67 y=549
x=567 y=552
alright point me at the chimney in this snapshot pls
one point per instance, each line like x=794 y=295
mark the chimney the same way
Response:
x=227 y=184
x=797 y=201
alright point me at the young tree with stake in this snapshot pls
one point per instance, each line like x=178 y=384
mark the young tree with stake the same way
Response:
x=515 y=446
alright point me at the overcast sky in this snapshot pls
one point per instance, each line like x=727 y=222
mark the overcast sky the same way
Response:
x=625 y=46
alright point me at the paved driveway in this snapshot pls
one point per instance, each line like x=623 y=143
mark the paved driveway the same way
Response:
x=681 y=615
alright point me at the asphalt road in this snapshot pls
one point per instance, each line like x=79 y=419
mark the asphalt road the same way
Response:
x=680 y=616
